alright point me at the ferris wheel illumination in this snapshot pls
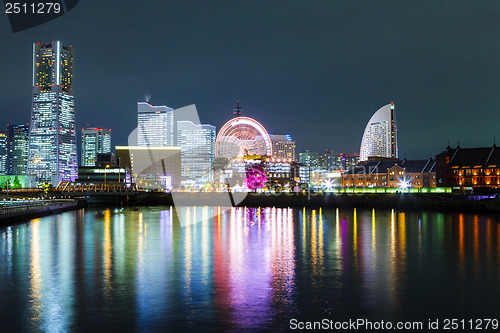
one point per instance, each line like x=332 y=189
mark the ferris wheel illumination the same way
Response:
x=242 y=136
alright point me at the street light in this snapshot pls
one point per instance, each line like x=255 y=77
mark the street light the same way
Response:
x=107 y=167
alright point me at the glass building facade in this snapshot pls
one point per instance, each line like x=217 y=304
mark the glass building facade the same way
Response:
x=197 y=144
x=94 y=141
x=4 y=165
x=155 y=125
x=52 y=143
x=18 y=138
x=380 y=136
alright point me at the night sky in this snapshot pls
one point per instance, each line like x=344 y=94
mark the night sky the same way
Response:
x=316 y=70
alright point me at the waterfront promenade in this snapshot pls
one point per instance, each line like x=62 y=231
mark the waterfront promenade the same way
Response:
x=16 y=209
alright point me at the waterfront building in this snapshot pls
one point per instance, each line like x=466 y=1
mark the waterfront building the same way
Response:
x=155 y=168
x=155 y=125
x=105 y=159
x=334 y=161
x=18 y=138
x=309 y=158
x=104 y=174
x=52 y=142
x=280 y=174
x=380 y=136
x=283 y=146
x=197 y=144
x=94 y=141
x=241 y=136
x=331 y=160
x=4 y=166
x=468 y=168
x=392 y=174
x=349 y=160
x=305 y=173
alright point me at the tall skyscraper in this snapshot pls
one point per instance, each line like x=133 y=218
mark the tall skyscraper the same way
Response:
x=380 y=138
x=52 y=143
x=155 y=125
x=94 y=141
x=197 y=144
x=18 y=138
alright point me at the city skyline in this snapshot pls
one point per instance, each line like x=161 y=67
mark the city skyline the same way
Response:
x=435 y=62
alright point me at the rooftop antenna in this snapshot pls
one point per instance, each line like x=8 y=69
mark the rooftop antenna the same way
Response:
x=494 y=142
x=237 y=109
x=458 y=144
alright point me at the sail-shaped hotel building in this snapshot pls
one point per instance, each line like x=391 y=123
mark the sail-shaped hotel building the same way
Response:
x=380 y=138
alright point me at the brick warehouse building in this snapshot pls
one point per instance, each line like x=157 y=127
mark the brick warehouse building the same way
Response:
x=390 y=174
x=468 y=168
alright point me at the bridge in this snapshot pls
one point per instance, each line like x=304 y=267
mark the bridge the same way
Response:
x=72 y=187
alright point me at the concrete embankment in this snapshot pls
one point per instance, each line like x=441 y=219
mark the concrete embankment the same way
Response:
x=420 y=201
x=19 y=211
x=389 y=201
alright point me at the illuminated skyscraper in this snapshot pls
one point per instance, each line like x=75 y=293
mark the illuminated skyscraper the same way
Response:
x=95 y=141
x=380 y=138
x=197 y=144
x=52 y=142
x=4 y=165
x=155 y=125
x=18 y=137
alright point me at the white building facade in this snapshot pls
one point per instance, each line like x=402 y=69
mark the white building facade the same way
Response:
x=197 y=142
x=380 y=136
x=155 y=125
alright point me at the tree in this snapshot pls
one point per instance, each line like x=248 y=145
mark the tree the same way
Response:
x=46 y=187
x=16 y=183
x=256 y=176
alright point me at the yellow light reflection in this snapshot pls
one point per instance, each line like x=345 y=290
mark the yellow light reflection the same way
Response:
x=402 y=241
x=320 y=238
x=489 y=245
x=476 y=244
x=313 y=243
x=461 y=241
x=107 y=250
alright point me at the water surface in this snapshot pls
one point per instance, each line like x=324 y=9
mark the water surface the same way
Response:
x=247 y=269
